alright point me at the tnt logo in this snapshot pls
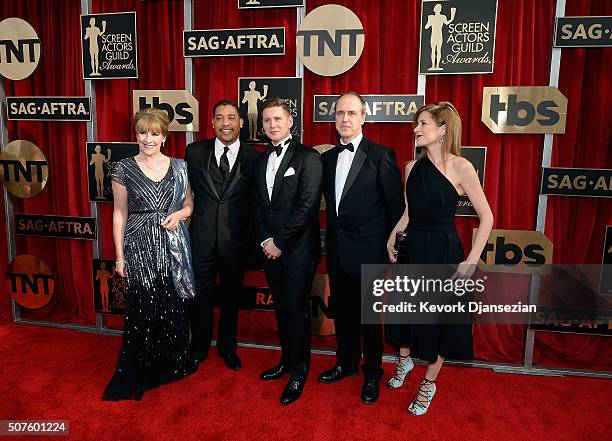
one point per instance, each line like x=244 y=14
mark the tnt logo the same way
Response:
x=30 y=281
x=524 y=109
x=23 y=168
x=181 y=106
x=516 y=251
x=19 y=49
x=330 y=40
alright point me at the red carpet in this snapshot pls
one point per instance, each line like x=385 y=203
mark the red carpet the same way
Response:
x=60 y=374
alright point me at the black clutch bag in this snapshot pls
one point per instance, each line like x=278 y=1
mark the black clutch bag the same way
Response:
x=401 y=245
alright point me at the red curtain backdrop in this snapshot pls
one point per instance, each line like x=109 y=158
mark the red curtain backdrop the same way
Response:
x=388 y=66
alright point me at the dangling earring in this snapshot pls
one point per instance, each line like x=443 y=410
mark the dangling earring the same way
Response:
x=163 y=144
x=441 y=140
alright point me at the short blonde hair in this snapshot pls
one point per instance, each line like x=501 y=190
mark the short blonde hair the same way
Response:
x=152 y=119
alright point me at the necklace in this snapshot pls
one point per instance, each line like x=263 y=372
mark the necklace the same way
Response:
x=156 y=167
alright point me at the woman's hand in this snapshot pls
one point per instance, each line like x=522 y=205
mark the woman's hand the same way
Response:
x=120 y=268
x=172 y=221
x=465 y=270
x=391 y=251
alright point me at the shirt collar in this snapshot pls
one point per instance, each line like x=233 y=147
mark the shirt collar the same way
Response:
x=284 y=142
x=233 y=148
x=355 y=141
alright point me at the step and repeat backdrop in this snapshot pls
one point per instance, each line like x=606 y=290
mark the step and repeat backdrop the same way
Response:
x=491 y=58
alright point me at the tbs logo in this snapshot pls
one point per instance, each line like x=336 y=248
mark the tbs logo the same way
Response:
x=539 y=109
x=181 y=106
x=516 y=251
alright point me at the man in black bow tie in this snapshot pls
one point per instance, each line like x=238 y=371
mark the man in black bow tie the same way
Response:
x=287 y=194
x=364 y=201
x=221 y=176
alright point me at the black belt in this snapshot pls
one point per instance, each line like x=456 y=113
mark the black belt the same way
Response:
x=147 y=211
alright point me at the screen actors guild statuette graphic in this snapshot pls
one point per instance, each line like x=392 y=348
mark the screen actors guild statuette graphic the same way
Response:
x=92 y=33
x=436 y=22
x=98 y=160
x=252 y=97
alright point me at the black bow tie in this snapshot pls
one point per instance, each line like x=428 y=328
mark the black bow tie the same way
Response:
x=348 y=147
x=279 y=148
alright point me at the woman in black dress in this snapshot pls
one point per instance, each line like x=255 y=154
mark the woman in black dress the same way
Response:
x=151 y=199
x=434 y=183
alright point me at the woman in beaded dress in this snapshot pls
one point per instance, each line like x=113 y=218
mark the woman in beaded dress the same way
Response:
x=434 y=183
x=151 y=199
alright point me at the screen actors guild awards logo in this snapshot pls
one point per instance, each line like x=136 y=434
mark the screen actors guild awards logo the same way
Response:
x=109 y=288
x=19 y=49
x=109 y=45
x=252 y=92
x=457 y=36
x=99 y=165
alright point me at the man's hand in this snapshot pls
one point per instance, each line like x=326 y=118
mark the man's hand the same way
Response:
x=270 y=250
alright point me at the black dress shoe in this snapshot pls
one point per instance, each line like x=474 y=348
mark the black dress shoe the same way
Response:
x=369 y=391
x=274 y=373
x=336 y=373
x=232 y=361
x=292 y=391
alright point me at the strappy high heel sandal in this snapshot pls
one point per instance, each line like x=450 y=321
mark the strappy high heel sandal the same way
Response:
x=402 y=367
x=421 y=402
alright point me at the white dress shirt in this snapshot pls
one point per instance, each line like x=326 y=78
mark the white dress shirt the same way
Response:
x=274 y=162
x=345 y=159
x=232 y=154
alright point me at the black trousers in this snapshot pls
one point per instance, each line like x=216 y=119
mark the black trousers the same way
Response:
x=231 y=276
x=290 y=287
x=346 y=292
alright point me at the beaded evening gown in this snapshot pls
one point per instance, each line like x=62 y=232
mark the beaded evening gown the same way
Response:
x=155 y=342
x=432 y=239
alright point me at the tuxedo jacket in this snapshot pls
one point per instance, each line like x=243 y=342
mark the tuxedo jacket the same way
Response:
x=221 y=220
x=371 y=204
x=291 y=216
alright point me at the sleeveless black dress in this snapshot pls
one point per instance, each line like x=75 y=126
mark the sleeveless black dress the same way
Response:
x=432 y=239
x=155 y=342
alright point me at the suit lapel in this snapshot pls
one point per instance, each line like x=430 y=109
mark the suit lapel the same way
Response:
x=357 y=164
x=263 y=169
x=282 y=168
x=207 y=154
x=333 y=163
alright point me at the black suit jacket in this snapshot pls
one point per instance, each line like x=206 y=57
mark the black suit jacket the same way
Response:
x=371 y=204
x=291 y=217
x=221 y=219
